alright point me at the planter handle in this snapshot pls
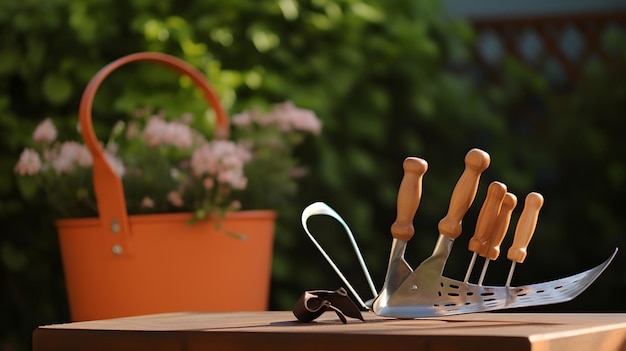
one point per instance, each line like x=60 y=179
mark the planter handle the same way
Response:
x=107 y=184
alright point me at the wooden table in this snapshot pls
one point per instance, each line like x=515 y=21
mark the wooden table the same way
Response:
x=280 y=331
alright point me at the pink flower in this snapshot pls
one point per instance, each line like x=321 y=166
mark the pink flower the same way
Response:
x=175 y=199
x=83 y=157
x=154 y=130
x=45 y=132
x=203 y=161
x=71 y=154
x=233 y=177
x=161 y=132
x=289 y=117
x=286 y=116
x=147 y=202
x=211 y=167
x=177 y=134
x=243 y=119
x=29 y=163
x=223 y=160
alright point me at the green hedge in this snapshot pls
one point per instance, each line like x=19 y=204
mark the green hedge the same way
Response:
x=377 y=73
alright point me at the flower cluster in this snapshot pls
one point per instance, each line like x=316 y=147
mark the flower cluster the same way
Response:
x=167 y=165
x=63 y=158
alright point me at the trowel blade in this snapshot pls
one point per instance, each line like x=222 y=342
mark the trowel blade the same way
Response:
x=424 y=295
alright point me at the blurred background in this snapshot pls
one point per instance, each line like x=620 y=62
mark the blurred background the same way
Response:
x=539 y=85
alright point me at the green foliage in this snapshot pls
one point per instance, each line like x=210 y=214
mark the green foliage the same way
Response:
x=377 y=73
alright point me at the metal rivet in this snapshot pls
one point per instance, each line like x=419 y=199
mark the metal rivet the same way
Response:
x=115 y=227
x=117 y=249
x=413 y=287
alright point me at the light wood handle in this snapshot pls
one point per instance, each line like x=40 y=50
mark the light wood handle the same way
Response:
x=500 y=226
x=487 y=217
x=409 y=196
x=476 y=161
x=525 y=227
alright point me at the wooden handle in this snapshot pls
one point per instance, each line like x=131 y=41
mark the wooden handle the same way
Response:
x=525 y=227
x=476 y=161
x=487 y=217
x=500 y=226
x=409 y=196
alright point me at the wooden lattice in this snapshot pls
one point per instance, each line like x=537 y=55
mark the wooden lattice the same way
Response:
x=558 y=46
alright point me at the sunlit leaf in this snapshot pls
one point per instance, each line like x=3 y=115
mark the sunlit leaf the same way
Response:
x=57 y=88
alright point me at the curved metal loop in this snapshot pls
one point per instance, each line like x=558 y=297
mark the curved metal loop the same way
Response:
x=320 y=208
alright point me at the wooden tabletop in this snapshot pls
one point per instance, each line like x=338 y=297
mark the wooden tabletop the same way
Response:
x=280 y=331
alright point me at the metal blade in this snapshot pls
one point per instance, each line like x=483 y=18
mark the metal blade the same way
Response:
x=398 y=271
x=430 y=270
x=425 y=295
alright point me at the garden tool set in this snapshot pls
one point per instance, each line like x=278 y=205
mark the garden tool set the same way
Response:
x=424 y=291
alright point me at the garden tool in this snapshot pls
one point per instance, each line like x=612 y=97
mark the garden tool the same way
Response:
x=426 y=293
x=486 y=219
x=524 y=232
x=320 y=208
x=450 y=227
x=402 y=229
x=492 y=250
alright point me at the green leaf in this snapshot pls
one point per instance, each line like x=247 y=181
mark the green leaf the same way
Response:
x=57 y=88
x=9 y=60
x=28 y=186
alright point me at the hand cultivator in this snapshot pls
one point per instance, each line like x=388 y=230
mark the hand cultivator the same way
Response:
x=424 y=291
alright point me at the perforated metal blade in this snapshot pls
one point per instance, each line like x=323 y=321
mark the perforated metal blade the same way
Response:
x=425 y=294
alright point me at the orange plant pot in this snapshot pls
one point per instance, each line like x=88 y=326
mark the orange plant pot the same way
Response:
x=119 y=265
x=168 y=265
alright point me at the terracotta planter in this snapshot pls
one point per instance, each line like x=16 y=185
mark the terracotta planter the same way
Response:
x=168 y=265
x=119 y=265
